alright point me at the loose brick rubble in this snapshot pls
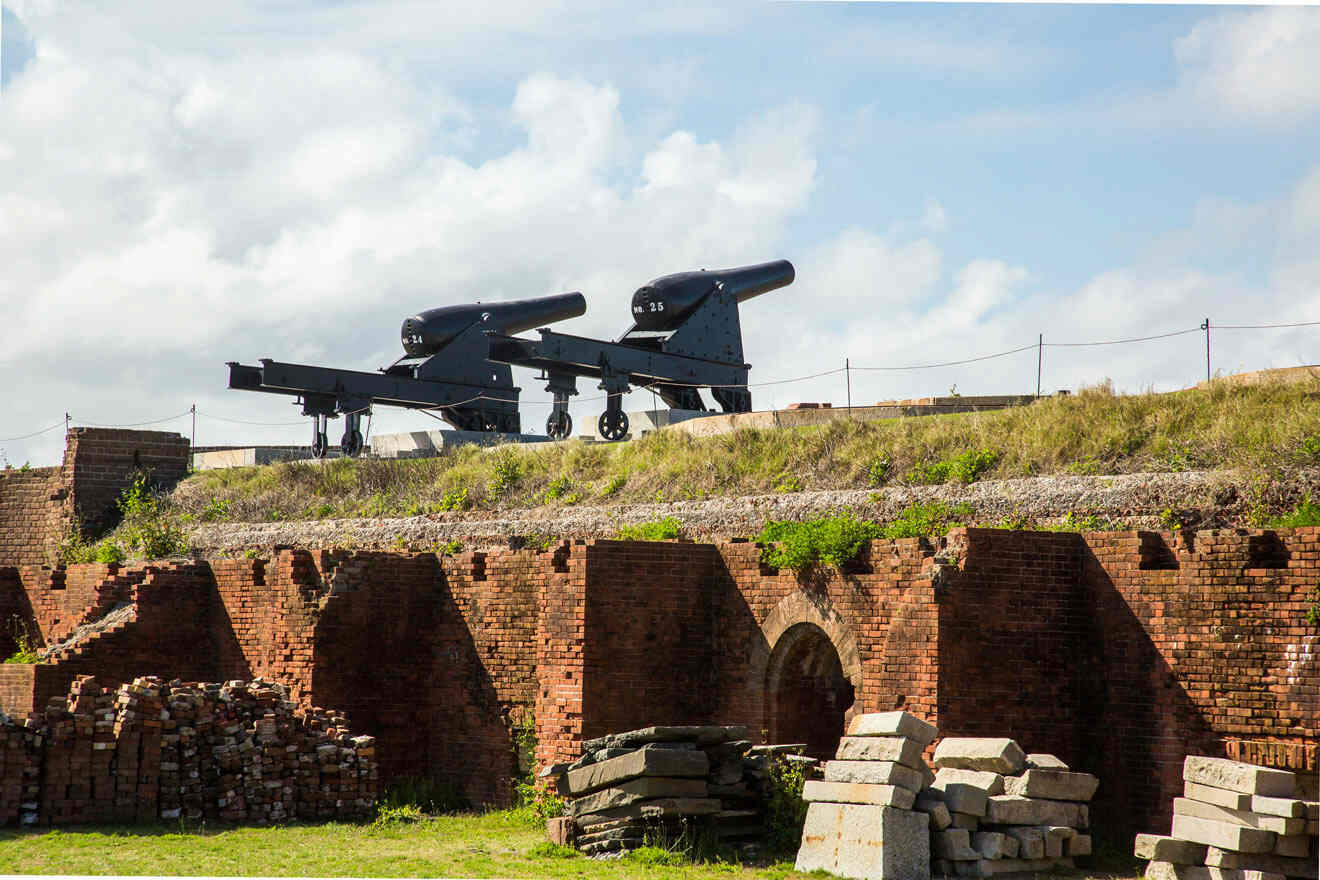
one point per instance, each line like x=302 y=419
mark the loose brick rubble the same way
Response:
x=1237 y=821
x=147 y=750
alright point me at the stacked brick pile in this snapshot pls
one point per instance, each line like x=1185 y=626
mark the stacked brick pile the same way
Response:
x=995 y=810
x=860 y=817
x=146 y=750
x=1235 y=821
x=657 y=783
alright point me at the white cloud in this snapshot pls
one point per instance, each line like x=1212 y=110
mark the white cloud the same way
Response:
x=1260 y=65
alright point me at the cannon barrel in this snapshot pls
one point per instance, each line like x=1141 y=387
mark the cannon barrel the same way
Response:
x=664 y=303
x=427 y=332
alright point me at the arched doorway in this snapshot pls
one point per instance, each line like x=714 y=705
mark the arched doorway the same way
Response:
x=807 y=692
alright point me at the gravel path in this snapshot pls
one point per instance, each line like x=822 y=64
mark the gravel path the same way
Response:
x=1201 y=499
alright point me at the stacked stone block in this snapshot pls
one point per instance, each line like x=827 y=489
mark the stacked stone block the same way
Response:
x=997 y=810
x=1236 y=821
x=860 y=817
x=658 y=784
x=148 y=750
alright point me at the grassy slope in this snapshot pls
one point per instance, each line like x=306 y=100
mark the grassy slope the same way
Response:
x=1260 y=427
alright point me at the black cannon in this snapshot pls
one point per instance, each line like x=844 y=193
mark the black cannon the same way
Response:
x=685 y=336
x=443 y=368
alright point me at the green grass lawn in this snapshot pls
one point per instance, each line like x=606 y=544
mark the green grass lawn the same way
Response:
x=496 y=844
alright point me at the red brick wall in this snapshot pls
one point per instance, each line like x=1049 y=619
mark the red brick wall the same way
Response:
x=32 y=505
x=99 y=463
x=1190 y=659
x=37 y=507
x=1012 y=646
x=1119 y=652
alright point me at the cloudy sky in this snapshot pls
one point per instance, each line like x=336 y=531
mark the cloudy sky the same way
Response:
x=181 y=187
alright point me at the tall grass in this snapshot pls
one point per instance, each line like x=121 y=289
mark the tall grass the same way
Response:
x=1096 y=431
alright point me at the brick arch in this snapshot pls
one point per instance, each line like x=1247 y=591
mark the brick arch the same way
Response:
x=804 y=623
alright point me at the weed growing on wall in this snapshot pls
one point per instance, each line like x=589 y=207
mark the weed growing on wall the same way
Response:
x=28 y=647
x=829 y=540
x=785 y=811
x=146 y=529
x=655 y=530
x=926 y=520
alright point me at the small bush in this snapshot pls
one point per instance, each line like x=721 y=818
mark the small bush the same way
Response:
x=829 y=540
x=655 y=530
x=614 y=485
x=785 y=811
x=108 y=552
x=215 y=510
x=506 y=473
x=926 y=520
x=966 y=467
x=788 y=483
x=1307 y=513
x=877 y=472
x=560 y=489
x=146 y=528
x=454 y=499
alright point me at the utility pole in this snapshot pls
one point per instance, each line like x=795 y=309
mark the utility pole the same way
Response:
x=847 y=377
x=1206 y=327
x=192 y=444
x=1040 y=356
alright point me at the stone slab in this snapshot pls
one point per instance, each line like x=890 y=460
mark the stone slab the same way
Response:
x=1057 y=785
x=1161 y=848
x=643 y=762
x=1042 y=761
x=964 y=820
x=1294 y=846
x=1031 y=842
x=1055 y=838
x=992 y=867
x=954 y=844
x=865 y=842
x=635 y=790
x=858 y=793
x=960 y=798
x=1168 y=871
x=702 y=734
x=1220 y=797
x=995 y=845
x=1288 y=808
x=1245 y=818
x=980 y=753
x=1224 y=835
x=1306 y=868
x=1077 y=845
x=879 y=772
x=985 y=780
x=1011 y=809
x=936 y=809
x=654 y=808
x=1237 y=776
x=892 y=724
x=899 y=749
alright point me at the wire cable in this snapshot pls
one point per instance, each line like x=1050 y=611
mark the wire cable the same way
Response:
x=186 y=412
x=58 y=424
x=947 y=363
x=1122 y=341
x=1262 y=326
x=244 y=422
